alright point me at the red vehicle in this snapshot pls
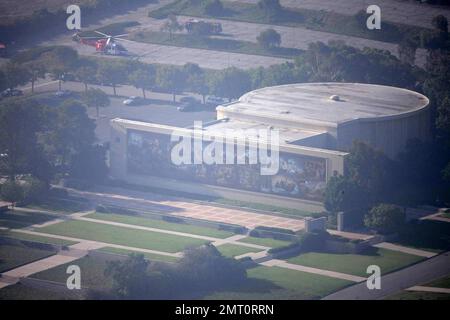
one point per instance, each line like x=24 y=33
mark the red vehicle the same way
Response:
x=104 y=43
x=2 y=49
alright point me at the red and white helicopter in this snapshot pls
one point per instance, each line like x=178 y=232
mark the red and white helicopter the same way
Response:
x=104 y=43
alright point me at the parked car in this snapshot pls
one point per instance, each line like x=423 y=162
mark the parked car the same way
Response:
x=63 y=93
x=11 y=93
x=132 y=101
x=188 y=104
x=214 y=100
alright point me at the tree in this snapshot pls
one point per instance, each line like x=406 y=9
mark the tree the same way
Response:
x=35 y=70
x=341 y=194
x=11 y=191
x=21 y=122
x=196 y=79
x=96 y=98
x=89 y=164
x=385 y=218
x=71 y=133
x=111 y=73
x=231 y=83
x=15 y=75
x=130 y=278
x=172 y=79
x=204 y=268
x=171 y=25
x=270 y=8
x=85 y=75
x=59 y=61
x=269 y=39
x=143 y=79
x=212 y=7
x=440 y=23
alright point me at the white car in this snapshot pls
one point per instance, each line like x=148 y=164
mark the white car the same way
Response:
x=133 y=100
x=214 y=100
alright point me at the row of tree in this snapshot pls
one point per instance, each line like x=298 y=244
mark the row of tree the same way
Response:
x=202 y=269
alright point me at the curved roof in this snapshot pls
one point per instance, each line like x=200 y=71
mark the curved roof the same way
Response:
x=329 y=103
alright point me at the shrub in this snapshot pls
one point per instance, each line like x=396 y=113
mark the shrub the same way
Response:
x=173 y=219
x=295 y=245
x=13 y=192
x=233 y=228
x=102 y=209
x=275 y=229
x=385 y=218
x=269 y=39
x=255 y=233
x=313 y=241
x=35 y=190
x=58 y=193
x=213 y=7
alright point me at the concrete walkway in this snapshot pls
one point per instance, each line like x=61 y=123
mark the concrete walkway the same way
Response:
x=415 y=252
x=327 y=273
x=429 y=289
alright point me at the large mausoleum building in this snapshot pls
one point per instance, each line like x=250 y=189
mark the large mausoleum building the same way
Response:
x=316 y=123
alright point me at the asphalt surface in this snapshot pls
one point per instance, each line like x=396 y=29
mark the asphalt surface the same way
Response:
x=422 y=272
x=157 y=108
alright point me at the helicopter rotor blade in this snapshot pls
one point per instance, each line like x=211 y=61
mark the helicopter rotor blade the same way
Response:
x=103 y=34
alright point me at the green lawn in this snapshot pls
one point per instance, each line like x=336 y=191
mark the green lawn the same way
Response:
x=20 y=292
x=149 y=256
x=161 y=224
x=64 y=206
x=122 y=236
x=268 y=242
x=320 y=20
x=232 y=250
x=217 y=44
x=32 y=237
x=92 y=272
x=264 y=207
x=414 y=295
x=440 y=283
x=278 y=283
x=16 y=219
x=14 y=256
x=356 y=264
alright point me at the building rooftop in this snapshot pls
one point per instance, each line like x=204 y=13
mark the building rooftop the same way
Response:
x=327 y=103
x=287 y=135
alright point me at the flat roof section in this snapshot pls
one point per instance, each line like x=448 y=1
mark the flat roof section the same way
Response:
x=287 y=135
x=329 y=103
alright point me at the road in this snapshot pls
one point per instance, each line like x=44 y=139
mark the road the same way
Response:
x=422 y=272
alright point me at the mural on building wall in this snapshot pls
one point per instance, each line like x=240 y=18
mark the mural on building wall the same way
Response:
x=298 y=176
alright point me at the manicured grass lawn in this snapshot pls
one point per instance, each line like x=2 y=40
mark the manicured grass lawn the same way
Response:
x=32 y=237
x=320 y=20
x=122 y=236
x=64 y=206
x=232 y=250
x=20 y=292
x=217 y=44
x=440 y=283
x=268 y=242
x=356 y=264
x=149 y=256
x=16 y=219
x=92 y=272
x=446 y=215
x=278 y=283
x=264 y=207
x=14 y=256
x=414 y=295
x=161 y=224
